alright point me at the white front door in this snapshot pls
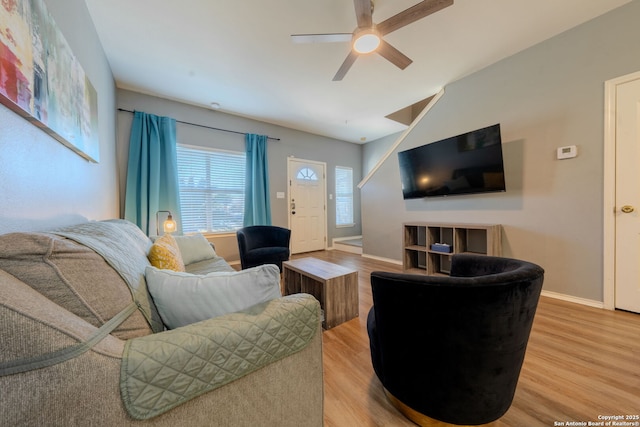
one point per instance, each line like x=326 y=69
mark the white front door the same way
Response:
x=627 y=205
x=307 y=205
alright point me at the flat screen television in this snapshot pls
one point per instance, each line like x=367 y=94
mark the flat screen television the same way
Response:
x=463 y=164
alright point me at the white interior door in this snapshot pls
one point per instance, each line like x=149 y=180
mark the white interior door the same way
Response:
x=627 y=211
x=307 y=205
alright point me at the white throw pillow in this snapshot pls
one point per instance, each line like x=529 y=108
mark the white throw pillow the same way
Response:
x=194 y=248
x=183 y=298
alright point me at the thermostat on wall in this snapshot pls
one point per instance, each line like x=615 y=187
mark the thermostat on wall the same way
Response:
x=568 y=152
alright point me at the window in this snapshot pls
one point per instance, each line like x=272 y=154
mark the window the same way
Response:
x=211 y=186
x=306 y=174
x=344 y=196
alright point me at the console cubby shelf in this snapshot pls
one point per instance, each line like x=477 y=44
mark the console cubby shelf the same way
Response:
x=419 y=237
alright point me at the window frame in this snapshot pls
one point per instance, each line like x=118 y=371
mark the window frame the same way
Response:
x=210 y=192
x=340 y=194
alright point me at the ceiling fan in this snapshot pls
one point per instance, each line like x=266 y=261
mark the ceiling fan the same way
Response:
x=367 y=37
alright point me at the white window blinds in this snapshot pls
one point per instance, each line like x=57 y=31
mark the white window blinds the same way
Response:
x=344 y=196
x=211 y=189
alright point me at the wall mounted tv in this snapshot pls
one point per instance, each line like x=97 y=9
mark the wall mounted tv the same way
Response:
x=464 y=164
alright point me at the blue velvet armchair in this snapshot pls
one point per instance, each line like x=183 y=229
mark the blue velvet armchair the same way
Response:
x=263 y=244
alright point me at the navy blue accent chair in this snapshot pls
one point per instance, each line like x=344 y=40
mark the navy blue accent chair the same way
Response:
x=263 y=244
x=450 y=348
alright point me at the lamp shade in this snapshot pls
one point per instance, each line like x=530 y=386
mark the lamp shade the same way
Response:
x=169 y=225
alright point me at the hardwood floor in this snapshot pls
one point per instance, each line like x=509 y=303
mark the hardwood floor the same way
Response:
x=581 y=363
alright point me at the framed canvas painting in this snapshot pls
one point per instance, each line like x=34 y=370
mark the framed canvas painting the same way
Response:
x=41 y=79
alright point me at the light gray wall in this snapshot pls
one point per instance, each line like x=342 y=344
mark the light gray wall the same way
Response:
x=373 y=151
x=548 y=96
x=292 y=143
x=42 y=183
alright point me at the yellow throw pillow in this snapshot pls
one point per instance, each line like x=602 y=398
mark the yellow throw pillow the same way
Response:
x=165 y=254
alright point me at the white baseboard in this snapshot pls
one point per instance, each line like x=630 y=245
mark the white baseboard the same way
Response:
x=550 y=294
x=377 y=258
x=346 y=248
x=569 y=298
x=341 y=239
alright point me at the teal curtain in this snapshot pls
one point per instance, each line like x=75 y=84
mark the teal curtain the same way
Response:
x=257 y=207
x=152 y=174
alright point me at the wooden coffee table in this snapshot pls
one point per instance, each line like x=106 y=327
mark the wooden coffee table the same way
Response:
x=335 y=286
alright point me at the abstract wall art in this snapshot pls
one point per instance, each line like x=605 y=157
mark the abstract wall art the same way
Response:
x=41 y=79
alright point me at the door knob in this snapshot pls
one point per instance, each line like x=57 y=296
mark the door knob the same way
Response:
x=627 y=209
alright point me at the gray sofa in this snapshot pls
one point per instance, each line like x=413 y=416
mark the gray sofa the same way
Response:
x=83 y=342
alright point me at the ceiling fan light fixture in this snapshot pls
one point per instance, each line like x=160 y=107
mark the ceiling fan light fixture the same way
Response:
x=366 y=41
x=367 y=37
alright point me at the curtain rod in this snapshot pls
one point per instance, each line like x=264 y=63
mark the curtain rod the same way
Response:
x=203 y=126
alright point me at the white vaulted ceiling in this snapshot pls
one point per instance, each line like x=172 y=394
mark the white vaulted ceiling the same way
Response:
x=240 y=54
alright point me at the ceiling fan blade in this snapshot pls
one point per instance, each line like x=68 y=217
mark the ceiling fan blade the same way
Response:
x=363 y=13
x=393 y=55
x=321 y=38
x=342 y=71
x=414 y=13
